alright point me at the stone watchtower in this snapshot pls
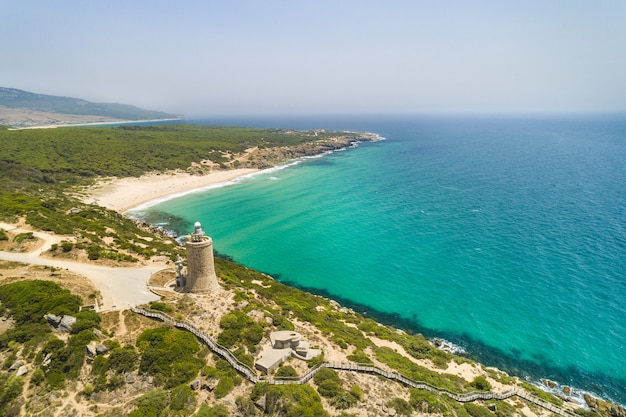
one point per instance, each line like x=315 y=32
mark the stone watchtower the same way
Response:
x=201 y=277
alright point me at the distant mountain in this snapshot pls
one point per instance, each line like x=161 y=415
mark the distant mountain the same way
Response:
x=19 y=99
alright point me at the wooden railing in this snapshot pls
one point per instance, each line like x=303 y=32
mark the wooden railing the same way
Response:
x=251 y=375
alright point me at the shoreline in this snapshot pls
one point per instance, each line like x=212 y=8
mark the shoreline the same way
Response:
x=125 y=194
x=109 y=123
x=133 y=193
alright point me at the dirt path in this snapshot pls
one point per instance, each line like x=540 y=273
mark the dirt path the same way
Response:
x=120 y=287
x=122 y=329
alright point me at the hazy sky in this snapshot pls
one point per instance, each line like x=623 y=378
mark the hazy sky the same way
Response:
x=265 y=56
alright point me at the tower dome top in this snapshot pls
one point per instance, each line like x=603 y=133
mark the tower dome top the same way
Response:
x=198 y=233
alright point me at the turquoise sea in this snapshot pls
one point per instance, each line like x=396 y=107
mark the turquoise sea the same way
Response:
x=505 y=235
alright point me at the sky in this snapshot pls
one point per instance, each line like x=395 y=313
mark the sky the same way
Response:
x=253 y=57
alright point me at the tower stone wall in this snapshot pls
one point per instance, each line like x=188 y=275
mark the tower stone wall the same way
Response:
x=201 y=277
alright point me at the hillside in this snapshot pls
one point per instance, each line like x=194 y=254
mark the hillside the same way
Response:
x=19 y=108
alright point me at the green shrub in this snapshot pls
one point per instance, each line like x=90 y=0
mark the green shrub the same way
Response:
x=100 y=365
x=416 y=372
x=359 y=356
x=182 y=398
x=94 y=252
x=289 y=400
x=10 y=388
x=86 y=320
x=326 y=374
x=37 y=377
x=21 y=237
x=401 y=406
x=169 y=355
x=480 y=383
x=29 y=301
x=159 y=306
x=3 y=235
x=217 y=411
x=253 y=334
x=475 y=410
x=424 y=401
x=329 y=388
x=245 y=407
x=116 y=381
x=224 y=386
x=123 y=360
x=234 y=326
x=151 y=404
x=286 y=372
x=356 y=392
x=343 y=400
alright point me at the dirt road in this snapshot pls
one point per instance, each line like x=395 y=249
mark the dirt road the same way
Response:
x=119 y=287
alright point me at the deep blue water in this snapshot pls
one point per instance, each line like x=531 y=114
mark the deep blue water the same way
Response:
x=504 y=235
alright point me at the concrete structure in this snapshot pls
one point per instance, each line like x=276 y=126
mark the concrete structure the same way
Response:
x=284 y=344
x=201 y=277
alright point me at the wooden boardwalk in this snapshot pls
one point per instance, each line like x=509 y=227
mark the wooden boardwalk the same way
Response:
x=252 y=376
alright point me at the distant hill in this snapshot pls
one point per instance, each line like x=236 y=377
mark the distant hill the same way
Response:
x=12 y=100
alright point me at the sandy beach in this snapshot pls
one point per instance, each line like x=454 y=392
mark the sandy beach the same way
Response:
x=123 y=194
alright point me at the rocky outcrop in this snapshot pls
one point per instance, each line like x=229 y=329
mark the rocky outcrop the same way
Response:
x=16 y=365
x=95 y=348
x=53 y=320
x=605 y=408
x=66 y=324
x=63 y=324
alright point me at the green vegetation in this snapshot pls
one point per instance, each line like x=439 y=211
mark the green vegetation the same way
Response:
x=227 y=377
x=416 y=372
x=542 y=394
x=401 y=406
x=359 y=356
x=10 y=389
x=286 y=371
x=151 y=404
x=217 y=411
x=480 y=383
x=75 y=153
x=27 y=302
x=169 y=355
x=159 y=306
x=475 y=410
x=64 y=360
x=23 y=237
x=238 y=328
x=329 y=385
x=425 y=401
x=289 y=400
